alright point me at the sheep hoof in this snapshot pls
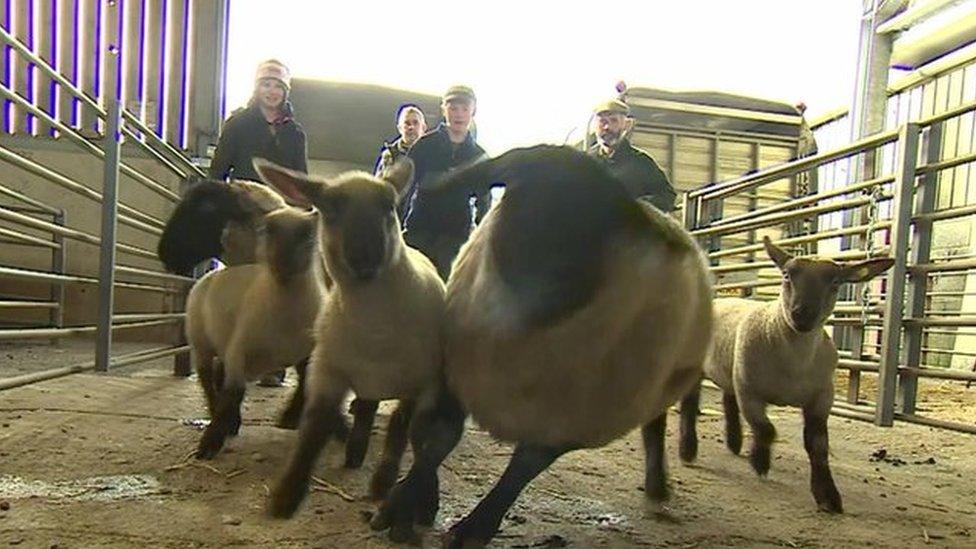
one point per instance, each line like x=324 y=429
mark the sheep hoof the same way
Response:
x=210 y=445
x=404 y=533
x=456 y=538
x=657 y=490
x=830 y=501
x=759 y=459
x=283 y=503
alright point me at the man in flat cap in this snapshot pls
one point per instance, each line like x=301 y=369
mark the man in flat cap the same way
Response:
x=635 y=168
x=435 y=220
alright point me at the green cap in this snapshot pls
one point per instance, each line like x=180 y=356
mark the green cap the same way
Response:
x=612 y=106
x=459 y=92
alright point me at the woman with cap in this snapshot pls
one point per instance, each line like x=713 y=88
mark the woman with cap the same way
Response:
x=265 y=128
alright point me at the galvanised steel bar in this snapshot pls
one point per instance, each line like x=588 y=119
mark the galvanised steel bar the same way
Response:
x=792 y=168
x=904 y=188
x=68 y=232
x=921 y=249
x=145 y=222
x=79 y=140
x=106 y=258
x=118 y=361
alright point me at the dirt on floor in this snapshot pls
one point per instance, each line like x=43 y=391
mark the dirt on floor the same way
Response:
x=101 y=461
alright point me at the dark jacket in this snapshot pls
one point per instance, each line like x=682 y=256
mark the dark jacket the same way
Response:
x=390 y=153
x=246 y=134
x=437 y=219
x=640 y=174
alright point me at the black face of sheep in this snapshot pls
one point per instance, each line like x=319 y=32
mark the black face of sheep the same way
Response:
x=194 y=231
x=810 y=285
x=358 y=213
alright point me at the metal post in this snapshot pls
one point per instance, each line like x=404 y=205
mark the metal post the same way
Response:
x=182 y=366
x=106 y=258
x=58 y=256
x=901 y=219
x=112 y=145
x=918 y=282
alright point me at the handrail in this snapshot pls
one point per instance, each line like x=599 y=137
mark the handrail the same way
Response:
x=79 y=140
x=154 y=225
x=68 y=232
x=116 y=361
x=792 y=168
x=42 y=276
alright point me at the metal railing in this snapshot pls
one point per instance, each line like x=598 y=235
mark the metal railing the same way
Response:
x=890 y=319
x=29 y=216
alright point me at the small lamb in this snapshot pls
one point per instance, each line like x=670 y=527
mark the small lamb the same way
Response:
x=379 y=331
x=255 y=318
x=778 y=353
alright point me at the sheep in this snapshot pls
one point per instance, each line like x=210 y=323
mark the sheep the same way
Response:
x=379 y=330
x=255 y=318
x=778 y=353
x=222 y=219
x=574 y=314
x=216 y=219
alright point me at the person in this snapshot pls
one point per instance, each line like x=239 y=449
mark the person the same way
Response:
x=411 y=124
x=436 y=220
x=640 y=174
x=266 y=128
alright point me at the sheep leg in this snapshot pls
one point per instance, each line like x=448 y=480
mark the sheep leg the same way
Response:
x=226 y=420
x=204 y=365
x=763 y=432
x=320 y=420
x=816 y=443
x=688 y=447
x=235 y=425
x=292 y=413
x=481 y=525
x=655 y=462
x=733 y=426
x=364 y=415
x=397 y=430
x=434 y=432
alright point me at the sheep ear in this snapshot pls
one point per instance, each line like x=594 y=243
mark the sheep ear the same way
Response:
x=400 y=175
x=779 y=256
x=866 y=270
x=296 y=187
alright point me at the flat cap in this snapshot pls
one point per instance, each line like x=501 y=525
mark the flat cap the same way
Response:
x=612 y=106
x=459 y=92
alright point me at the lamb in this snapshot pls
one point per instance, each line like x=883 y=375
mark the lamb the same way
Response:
x=574 y=314
x=778 y=353
x=255 y=318
x=379 y=331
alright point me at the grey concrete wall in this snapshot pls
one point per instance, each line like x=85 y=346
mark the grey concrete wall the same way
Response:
x=84 y=214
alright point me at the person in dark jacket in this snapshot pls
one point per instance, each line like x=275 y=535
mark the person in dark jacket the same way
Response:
x=639 y=172
x=266 y=128
x=437 y=220
x=411 y=124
